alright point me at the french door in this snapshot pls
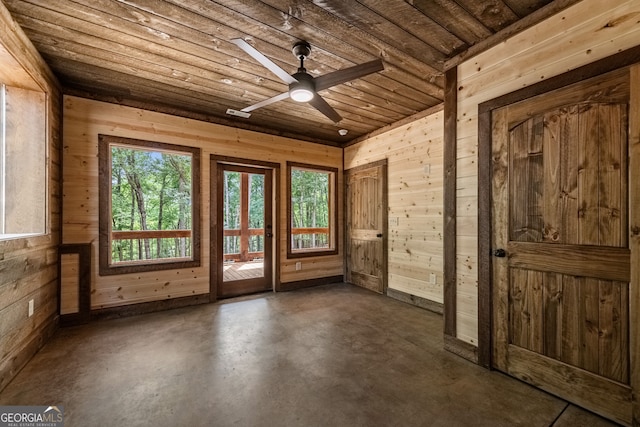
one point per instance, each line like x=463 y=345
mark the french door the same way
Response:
x=244 y=230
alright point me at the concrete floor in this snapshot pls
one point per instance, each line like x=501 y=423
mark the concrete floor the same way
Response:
x=328 y=356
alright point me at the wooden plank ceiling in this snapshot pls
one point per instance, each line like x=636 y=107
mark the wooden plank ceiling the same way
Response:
x=175 y=55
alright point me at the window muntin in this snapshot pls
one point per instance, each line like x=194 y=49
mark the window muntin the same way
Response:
x=312 y=216
x=149 y=206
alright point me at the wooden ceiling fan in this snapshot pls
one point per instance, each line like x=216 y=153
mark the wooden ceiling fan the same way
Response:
x=303 y=87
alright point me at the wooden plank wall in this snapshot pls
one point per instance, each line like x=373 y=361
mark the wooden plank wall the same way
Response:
x=579 y=35
x=28 y=266
x=414 y=153
x=85 y=119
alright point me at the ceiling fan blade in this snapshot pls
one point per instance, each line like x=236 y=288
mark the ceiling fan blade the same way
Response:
x=321 y=105
x=266 y=62
x=266 y=102
x=348 y=74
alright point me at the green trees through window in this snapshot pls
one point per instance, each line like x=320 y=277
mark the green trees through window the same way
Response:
x=150 y=190
x=233 y=211
x=312 y=209
x=149 y=203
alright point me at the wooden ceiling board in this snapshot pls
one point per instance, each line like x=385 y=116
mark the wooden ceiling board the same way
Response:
x=176 y=56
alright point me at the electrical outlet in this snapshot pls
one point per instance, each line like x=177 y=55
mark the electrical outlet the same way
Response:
x=31 y=304
x=298 y=266
x=432 y=278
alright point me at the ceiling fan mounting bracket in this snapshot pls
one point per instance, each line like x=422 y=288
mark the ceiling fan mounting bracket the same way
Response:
x=301 y=50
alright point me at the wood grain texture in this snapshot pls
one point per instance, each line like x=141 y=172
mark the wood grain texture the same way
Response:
x=29 y=266
x=530 y=57
x=366 y=226
x=493 y=220
x=74 y=284
x=567 y=295
x=608 y=398
x=69 y=281
x=634 y=236
x=415 y=201
x=139 y=51
x=449 y=203
x=86 y=119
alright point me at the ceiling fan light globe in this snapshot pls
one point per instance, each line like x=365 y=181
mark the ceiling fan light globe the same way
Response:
x=301 y=94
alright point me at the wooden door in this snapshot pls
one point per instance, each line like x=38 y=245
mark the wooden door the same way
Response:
x=244 y=229
x=561 y=265
x=366 y=226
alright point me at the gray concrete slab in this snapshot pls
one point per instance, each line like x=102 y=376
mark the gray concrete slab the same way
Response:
x=328 y=356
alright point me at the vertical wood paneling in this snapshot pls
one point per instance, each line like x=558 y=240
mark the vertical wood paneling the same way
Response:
x=553 y=320
x=577 y=320
x=519 y=328
x=634 y=237
x=496 y=174
x=588 y=160
x=589 y=324
x=535 y=310
x=519 y=161
x=552 y=212
x=571 y=336
x=613 y=346
x=612 y=175
x=569 y=177
x=69 y=283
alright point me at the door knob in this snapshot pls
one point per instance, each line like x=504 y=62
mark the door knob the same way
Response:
x=379 y=235
x=500 y=253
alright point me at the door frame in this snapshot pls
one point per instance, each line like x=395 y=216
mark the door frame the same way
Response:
x=485 y=260
x=385 y=217
x=215 y=270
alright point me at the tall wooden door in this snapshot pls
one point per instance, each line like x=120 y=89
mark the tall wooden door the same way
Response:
x=561 y=265
x=244 y=229
x=366 y=226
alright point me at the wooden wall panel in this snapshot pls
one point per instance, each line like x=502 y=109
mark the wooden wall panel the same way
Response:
x=586 y=32
x=28 y=266
x=415 y=195
x=85 y=119
x=69 y=283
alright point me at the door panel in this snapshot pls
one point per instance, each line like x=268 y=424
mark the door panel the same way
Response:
x=560 y=212
x=366 y=227
x=244 y=260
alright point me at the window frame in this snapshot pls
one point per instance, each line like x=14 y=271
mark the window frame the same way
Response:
x=36 y=140
x=106 y=268
x=333 y=212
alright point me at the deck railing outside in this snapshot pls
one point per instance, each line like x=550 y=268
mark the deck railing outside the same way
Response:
x=150 y=245
x=303 y=238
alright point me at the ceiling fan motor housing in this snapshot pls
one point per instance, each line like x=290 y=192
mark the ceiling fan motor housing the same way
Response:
x=301 y=50
x=304 y=89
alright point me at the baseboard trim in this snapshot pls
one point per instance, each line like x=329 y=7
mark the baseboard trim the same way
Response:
x=148 y=307
x=436 y=307
x=461 y=348
x=14 y=364
x=301 y=284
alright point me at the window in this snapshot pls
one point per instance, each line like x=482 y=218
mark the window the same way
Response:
x=23 y=162
x=312 y=210
x=149 y=206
